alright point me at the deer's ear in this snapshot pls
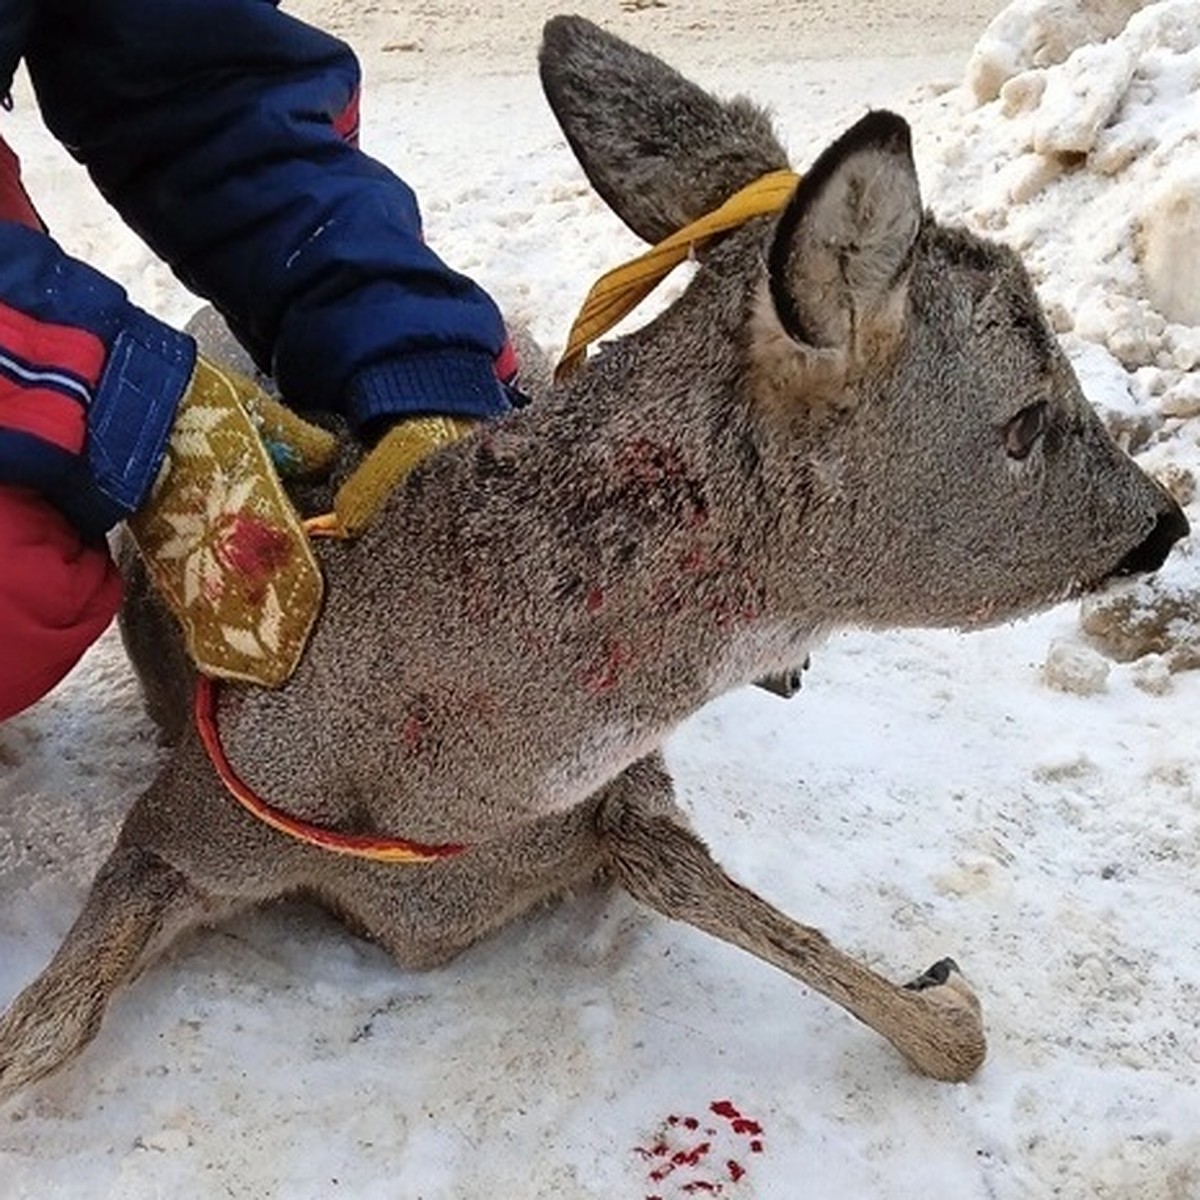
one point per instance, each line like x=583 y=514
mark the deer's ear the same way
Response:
x=659 y=149
x=838 y=265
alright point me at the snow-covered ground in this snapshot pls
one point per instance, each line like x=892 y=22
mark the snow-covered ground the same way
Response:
x=1014 y=798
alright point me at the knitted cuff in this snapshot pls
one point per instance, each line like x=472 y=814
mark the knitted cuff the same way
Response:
x=454 y=383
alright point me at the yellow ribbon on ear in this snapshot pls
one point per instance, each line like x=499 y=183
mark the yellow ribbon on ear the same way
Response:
x=620 y=290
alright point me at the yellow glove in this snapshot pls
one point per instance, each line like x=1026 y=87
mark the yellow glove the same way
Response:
x=221 y=539
x=398 y=451
x=297 y=448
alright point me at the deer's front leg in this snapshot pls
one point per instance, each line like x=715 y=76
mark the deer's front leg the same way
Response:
x=934 y=1022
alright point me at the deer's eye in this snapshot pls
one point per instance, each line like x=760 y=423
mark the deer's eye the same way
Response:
x=1022 y=431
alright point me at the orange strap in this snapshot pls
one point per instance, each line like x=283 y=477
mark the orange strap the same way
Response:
x=620 y=290
x=377 y=849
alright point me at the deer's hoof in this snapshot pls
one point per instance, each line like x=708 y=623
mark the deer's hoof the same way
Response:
x=944 y=1036
x=935 y=976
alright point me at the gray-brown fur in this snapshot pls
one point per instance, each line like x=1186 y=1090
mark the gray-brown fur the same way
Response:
x=503 y=653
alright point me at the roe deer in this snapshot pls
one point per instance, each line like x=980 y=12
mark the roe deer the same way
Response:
x=853 y=416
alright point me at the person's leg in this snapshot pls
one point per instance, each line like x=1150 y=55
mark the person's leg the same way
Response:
x=57 y=596
x=15 y=204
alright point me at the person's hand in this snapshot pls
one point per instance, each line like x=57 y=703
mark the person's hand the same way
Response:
x=219 y=535
x=60 y=592
x=398 y=451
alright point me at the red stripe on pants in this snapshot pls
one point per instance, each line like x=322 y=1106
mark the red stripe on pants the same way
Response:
x=46 y=414
x=47 y=346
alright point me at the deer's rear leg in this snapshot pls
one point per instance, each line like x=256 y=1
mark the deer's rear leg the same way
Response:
x=138 y=903
x=934 y=1022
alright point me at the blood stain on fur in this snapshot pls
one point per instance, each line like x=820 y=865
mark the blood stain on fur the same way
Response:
x=651 y=463
x=604 y=672
x=412 y=733
x=416 y=727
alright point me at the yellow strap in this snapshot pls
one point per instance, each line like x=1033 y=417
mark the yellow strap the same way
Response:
x=620 y=290
x=405 y=445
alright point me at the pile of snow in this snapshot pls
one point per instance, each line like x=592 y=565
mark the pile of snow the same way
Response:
x=1090 y=167
x=1076 y=140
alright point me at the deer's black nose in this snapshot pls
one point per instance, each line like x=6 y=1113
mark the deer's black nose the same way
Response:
x=1152 y=553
